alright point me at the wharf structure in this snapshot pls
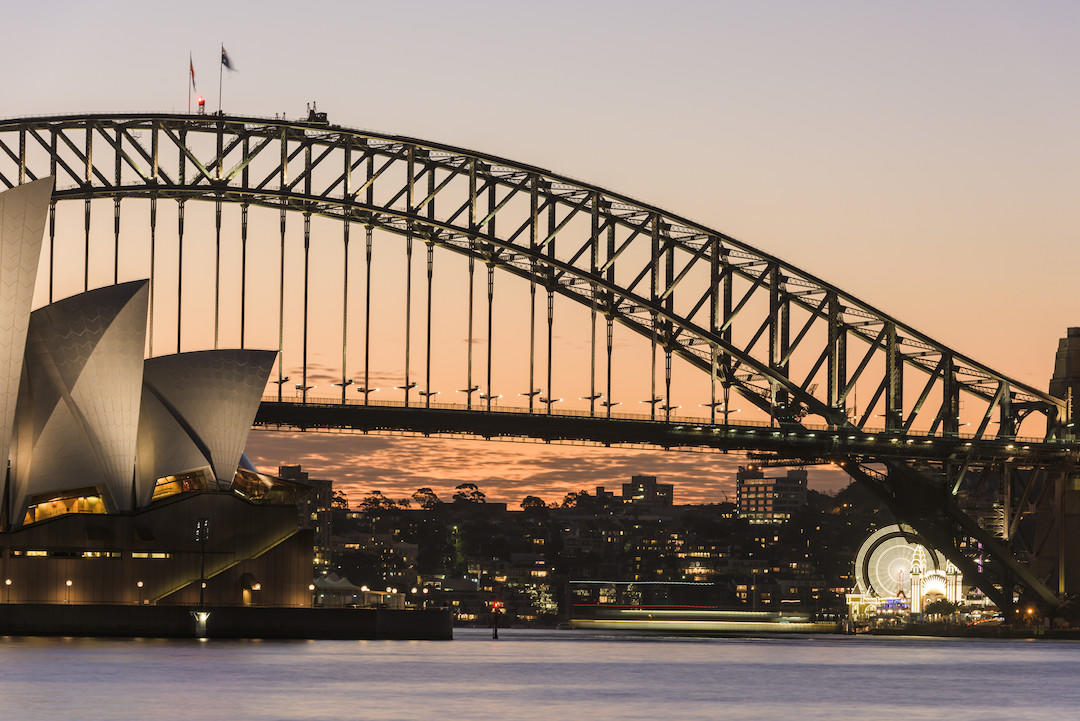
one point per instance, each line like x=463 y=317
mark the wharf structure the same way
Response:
x=125 y=483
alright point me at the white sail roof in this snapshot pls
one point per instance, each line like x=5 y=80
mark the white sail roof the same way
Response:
x=197 y=410
x=23 y=211
x=78 y=408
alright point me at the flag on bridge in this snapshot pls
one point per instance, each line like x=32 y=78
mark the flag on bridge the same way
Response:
x=225 y=63
x=191 y=66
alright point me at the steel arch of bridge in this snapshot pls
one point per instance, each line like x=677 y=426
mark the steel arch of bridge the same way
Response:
x=683 y=286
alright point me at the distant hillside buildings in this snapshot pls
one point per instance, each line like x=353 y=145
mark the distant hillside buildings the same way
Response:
x=642 y=491
x=546 y=561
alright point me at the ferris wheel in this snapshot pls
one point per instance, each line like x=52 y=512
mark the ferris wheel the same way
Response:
x=883 y=564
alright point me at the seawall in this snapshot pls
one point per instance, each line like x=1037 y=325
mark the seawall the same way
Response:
x=19 y=619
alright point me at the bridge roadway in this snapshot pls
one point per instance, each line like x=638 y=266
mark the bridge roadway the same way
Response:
x=805 y=443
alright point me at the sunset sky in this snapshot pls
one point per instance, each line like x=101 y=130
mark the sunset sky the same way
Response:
x=923 y=157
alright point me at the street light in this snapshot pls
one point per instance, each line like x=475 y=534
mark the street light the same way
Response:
x=468 y=394
x=280 y=384
x=549 y=402
x=531 y=395
x=667 y=408
x=407 y=387
x=344 y=383
x=202 y=535
x=652 y=405
x=67 y=591
x=139 y=585
x=7 y=590
x=592 y=400
x=366 y=392
x=303 y=390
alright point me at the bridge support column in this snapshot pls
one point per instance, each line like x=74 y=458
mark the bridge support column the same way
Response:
x=1065 y=384
x=1055 y=555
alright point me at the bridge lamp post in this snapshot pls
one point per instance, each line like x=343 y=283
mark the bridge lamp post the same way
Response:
x=727 y=410
x=366 y=392
x=427 y=396
x=280 y=384
x=488 y=398
x=67 y=591
x=139 y=585
x=652 y=406
x=712 y=410
x=468 y=394
x=303 y=390
x=345 y=383
x=592 y=402
x=667 y=408
x=407 y=387
x=531 y=395
x=608 y=405
x=7 y=590
x=549 y=402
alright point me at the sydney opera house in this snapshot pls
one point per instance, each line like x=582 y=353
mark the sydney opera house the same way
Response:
x=126 y=480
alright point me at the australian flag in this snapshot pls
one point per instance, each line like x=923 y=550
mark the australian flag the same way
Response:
x=225 y=59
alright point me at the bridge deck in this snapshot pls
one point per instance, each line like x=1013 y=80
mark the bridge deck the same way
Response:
x=630 y=429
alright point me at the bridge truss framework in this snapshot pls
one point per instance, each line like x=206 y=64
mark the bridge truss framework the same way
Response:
x=794 y=346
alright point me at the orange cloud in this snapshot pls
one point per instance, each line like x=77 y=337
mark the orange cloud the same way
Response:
x=505 y=471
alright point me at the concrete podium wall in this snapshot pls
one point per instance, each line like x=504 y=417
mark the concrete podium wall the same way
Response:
x=19 y=619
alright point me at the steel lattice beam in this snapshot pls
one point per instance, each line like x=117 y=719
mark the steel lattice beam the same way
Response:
x=724 y=306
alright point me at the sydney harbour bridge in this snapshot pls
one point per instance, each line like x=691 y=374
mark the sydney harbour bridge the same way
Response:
x=781 y=364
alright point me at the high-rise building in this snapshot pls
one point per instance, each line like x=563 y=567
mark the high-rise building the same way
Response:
x=646 y=491
x=315 y=511
x=769 y=500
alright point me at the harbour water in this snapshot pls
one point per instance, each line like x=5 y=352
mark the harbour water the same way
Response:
x=540 y=675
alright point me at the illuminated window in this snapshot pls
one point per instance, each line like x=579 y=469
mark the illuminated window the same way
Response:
x=197 y=480
x=259 y=488
x=80 y=500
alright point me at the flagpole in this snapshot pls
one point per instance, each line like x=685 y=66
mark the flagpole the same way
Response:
x=191 y=64
x=220 y=72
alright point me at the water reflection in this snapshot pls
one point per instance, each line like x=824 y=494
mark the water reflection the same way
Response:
x=539 y=675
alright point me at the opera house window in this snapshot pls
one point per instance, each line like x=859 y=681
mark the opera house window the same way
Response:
x=82 y=500
x=198 y=480
x=259 y=488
